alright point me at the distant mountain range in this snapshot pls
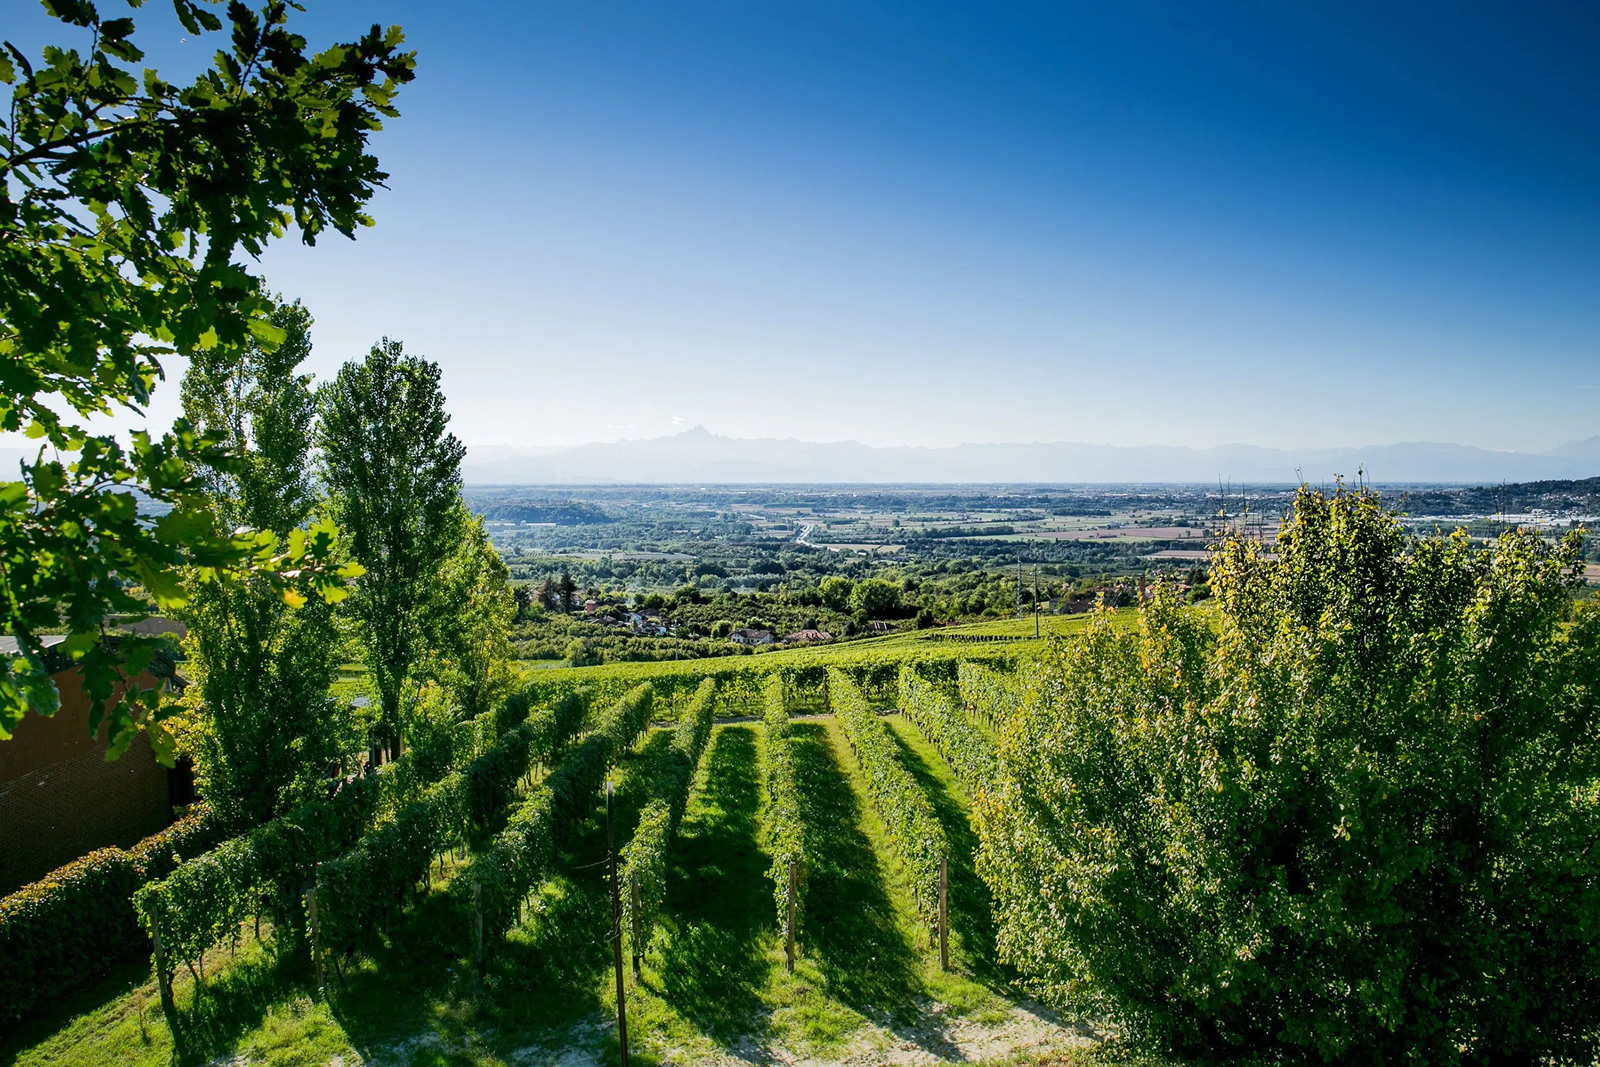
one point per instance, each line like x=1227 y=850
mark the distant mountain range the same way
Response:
x=697 y=455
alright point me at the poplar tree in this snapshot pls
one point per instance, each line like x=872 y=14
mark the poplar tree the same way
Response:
x=392 y=472
x=264 y=730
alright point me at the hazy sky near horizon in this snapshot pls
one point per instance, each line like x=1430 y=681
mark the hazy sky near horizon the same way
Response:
x=1142 y=223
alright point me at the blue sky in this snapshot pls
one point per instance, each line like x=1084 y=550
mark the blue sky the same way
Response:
x=1134 y=223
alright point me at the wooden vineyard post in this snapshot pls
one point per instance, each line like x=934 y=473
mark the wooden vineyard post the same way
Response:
x=477 y=926
x=944 y=913
x=316 y=937
x=616 y=928
x=164 y=981
x=788 y=923
x=638 y=932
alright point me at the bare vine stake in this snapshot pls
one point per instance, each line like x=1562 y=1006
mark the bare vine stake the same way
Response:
x=788 y=925
x=164 y=978
x=316 y=939
x=944 y=915
x=638 y=930
x=616 y=930
x=477 y=926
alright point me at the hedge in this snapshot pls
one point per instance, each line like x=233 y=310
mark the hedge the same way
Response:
x=70 y=927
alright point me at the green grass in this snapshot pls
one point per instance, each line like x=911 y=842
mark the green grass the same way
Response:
x=713 y=977
x=971 y=914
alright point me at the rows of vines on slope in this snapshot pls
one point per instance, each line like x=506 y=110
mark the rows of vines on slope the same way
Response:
x=914 y=830
x=260 y=874
x=742 y=678
x=989 y=695
x=387 y=866
x=784 y=832
x=964 y=747
x=519 y=856
x=644 y=859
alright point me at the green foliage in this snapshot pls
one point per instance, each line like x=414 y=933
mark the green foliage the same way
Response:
x=468 y=622
x=873 y=666
x=261 y=725
x=205 y=899
x=1350 y=816
x=783 y=831
x=876 y=598
x=384 y=868
x=520 y=855
x=968 y=752
x=125 y=204
x=393 y=475
x=67 y=929
x=913 y=827
x=644 y=858
x=990 y=695
x=835 y=592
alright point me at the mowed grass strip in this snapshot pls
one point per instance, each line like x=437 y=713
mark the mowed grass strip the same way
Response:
x=972 y=929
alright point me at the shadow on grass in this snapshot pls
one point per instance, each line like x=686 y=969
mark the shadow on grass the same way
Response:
x=543 y=975
x=971 y=907
x=235 y=1001
x=711 y=960
x=549 y=972
x=126 y=979
x=849 y=923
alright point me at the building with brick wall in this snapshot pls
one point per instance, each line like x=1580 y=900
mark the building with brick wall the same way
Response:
x=60 y=798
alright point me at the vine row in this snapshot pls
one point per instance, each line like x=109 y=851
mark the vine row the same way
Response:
x=644 y=859
x=964 y=747
x=989 y=695
x=519 y=856
x=784 y=832
x=205 y=900
x=914 y=830
x=386 y=866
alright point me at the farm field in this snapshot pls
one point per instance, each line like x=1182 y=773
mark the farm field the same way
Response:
x=713 y=988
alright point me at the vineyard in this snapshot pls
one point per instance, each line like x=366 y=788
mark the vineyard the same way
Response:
x=794 y=869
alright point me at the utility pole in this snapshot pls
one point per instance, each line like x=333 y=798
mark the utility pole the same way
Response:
x=1019 y=587
x=1035 y=600
x=616 y=930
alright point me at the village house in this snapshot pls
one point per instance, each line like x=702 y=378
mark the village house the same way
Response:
x=751 y=637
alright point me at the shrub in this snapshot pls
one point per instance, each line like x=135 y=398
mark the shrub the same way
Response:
x=1350 y=817
x=71 y=926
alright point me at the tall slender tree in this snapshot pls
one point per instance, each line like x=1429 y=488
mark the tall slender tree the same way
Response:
x=392 y=470
x=261 y=726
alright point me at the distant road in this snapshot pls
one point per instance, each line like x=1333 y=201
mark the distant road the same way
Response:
x=805 y=533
